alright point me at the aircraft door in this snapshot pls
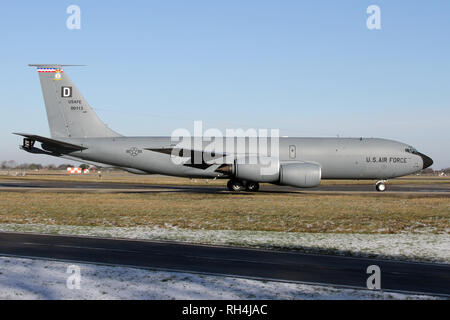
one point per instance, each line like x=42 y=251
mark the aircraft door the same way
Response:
x=292 y=152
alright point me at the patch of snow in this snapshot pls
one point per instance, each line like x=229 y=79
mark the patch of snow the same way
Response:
x=41 y=279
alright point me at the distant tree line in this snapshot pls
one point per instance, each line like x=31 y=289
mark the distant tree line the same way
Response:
x=431 y=171
x=11 y=164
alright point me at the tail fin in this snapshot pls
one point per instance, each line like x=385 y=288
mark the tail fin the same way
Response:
x=69 y=114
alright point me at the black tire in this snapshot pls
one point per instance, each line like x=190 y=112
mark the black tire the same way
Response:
x=252 y=186
x=235 y=185
x=381 y=187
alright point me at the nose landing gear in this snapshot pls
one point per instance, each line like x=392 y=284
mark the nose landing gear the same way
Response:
x=381 y=185
x=238 y=185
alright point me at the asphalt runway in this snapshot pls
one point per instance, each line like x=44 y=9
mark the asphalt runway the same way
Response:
x=397 y=276
x=441 y=189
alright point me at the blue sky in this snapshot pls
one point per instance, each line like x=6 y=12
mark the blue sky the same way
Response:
x=309 y=68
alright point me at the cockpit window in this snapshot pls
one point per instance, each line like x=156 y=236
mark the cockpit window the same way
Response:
x=411 y=150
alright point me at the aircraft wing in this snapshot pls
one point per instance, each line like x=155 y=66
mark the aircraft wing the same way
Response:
x=183 y=152
x=186 y=152
x=192 y=155
x=31 y=138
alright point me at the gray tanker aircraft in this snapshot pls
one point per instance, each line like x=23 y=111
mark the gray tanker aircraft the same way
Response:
x=78 y=134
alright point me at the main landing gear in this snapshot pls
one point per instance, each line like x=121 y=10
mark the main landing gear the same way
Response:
x=381 y=185
x=239 y=185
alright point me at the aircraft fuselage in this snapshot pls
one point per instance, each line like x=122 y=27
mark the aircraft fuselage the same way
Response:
x=339 y=158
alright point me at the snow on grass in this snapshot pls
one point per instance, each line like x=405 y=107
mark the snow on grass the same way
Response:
x=406 y=246
x=42 y=279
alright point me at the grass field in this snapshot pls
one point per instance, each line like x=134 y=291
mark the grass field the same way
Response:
x=405 y=226
x=316 y=213
x=265 y=212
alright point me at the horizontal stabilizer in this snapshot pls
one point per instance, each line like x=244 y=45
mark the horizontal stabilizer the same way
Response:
x=52 y=142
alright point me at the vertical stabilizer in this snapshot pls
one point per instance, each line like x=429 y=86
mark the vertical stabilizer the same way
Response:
x=69 y=114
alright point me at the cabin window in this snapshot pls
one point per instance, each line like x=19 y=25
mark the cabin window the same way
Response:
x=411 y=150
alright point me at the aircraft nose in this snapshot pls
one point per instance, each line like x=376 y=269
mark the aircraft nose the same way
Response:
x=427 y=161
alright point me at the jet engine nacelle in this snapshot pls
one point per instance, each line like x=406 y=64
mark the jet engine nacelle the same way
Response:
x=258 y=169
x=265 y=169
x=300 y=175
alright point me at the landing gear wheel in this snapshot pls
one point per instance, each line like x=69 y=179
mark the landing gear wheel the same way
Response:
x=380 y=186
x=252 y=186
x=235 y=185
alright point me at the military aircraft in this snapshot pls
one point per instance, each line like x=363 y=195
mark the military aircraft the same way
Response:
x=78 y=134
